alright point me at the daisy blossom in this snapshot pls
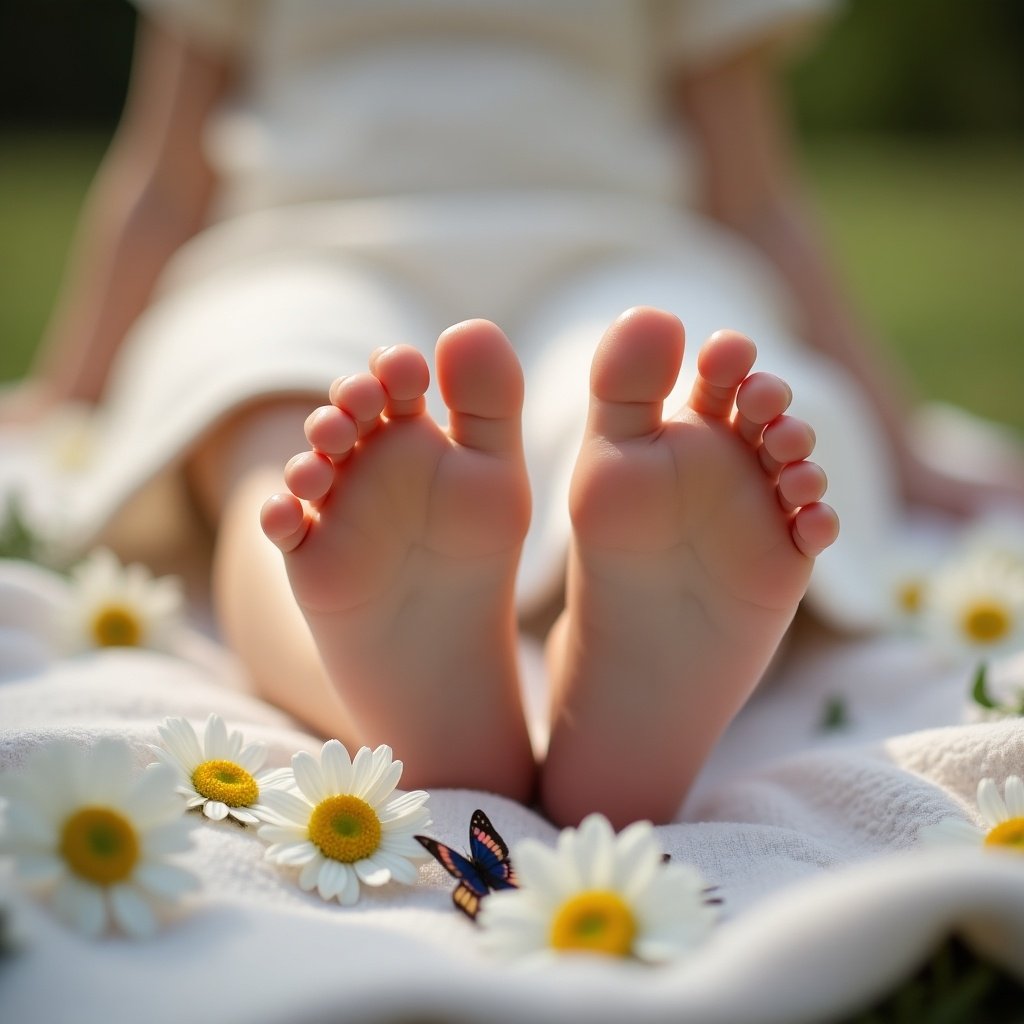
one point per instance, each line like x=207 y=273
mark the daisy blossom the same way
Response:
x=598 y=892
x=341 y=825
x=1003 y=818
x=80 y=823
x=975 y=607
x=217 y=773
x=112 y=605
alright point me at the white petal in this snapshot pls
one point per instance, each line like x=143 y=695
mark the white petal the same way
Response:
x=293 y=854
x=282 y=834
x=286 y=806
x=215 y=810
x=253 y=757
x=181 y=740
x=402 y=805
x=333 y=878
x=310 y=873
x=40 y=868
x=349 y=896
x=109 y=771
x=384 y=778
x=990 y=803
x=542 y=869
x=951 y=831
x=402 y=869
x=595 y=852
x=309 y=777
x=363 y=765
x=24 y=822
x=153 y=799
x=1013 y=792
x=215 y=740
x=244 y=815
x=166 y=881
x=371 y=873
x=337 y=768
x=81 y=905
x=131 y=911
x=174 y=837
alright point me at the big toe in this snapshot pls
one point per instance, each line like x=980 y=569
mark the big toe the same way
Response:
x=634 y=369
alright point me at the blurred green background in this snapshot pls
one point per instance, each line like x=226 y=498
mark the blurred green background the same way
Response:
x=911 y=118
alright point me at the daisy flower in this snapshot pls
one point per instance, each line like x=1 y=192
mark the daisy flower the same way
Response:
x=1003 y=818
x=112 y=605
x=217 y=773
x=341 y=825
x=975 y=607
x=78 y=822
x=598 y=892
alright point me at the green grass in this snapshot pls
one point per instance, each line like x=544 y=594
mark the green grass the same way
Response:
x=42 y=182
x=930 y=239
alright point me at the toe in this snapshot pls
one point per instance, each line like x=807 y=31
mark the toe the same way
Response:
x=761 y=398
x=309 y=475
x=481 y=383
x=786 y=439
x=634 y=369
x=723 y=363
x=361 y=397
x=801 y=483
x=814 y=528
x=284 y=521
x=331 y=430
x=404 y=375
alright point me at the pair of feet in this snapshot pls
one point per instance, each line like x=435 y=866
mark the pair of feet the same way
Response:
x=694 y=538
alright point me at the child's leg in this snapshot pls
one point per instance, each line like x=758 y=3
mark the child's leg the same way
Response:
x=401 y=543
x=693 y=542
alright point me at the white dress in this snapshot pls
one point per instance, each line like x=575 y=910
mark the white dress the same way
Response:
x=391 y=167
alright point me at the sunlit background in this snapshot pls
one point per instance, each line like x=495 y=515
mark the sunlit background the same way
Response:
x=911 y=117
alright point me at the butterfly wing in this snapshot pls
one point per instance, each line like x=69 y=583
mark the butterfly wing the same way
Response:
x=490 y=853
x=472 y=886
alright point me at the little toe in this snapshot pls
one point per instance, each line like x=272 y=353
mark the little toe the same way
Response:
x=786 y=439
x=284 y=520
x=404 y=375
x=814 y=528
x=481 y=383
x=332 y=431
x=634 y=369
x=761 y=398
x=309 y=475
x=801 y=483
x=723 y=362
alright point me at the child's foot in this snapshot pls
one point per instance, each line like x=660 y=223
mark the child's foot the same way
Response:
x=401 y=541
x=694 y=541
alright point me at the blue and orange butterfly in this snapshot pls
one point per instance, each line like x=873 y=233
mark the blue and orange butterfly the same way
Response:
x=486 y=868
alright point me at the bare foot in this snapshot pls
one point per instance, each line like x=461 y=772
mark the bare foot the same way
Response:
x=694 y=538
x=401 y=541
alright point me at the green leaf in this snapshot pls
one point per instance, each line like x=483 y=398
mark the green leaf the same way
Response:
x=979 y=690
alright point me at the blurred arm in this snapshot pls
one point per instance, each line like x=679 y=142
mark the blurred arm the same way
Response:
x=751 y=185
x=150 y=195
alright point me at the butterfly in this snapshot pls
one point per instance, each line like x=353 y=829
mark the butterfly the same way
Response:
x=486 y=867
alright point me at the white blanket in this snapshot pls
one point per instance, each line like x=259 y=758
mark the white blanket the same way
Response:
x=810 y=834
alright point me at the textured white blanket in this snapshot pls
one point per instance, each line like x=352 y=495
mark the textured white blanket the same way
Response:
x=811 y=835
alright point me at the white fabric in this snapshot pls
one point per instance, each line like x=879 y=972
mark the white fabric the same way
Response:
x=829 y=899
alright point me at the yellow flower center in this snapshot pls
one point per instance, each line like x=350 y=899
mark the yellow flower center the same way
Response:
x=986 y=622
x=116 y=625
x=594 y=921
x=227 y=782
x=99 y=845
x=1007 y=833
x=345 y=828
x=909 y=596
